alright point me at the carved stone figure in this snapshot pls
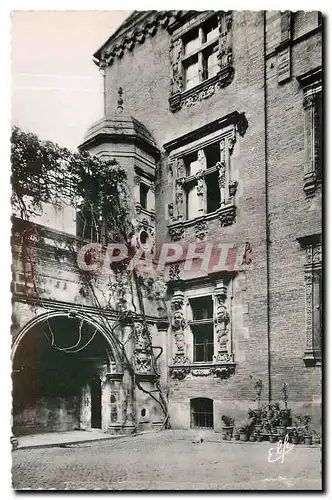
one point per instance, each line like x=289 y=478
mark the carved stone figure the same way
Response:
x=142 y=354
x=178 y=325
x=222 y=318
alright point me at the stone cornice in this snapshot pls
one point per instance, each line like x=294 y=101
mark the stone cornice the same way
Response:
x=133 y=31
x=312 y=77
x=235 y=118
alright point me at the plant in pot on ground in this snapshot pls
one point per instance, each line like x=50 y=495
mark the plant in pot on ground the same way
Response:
x=227 y=428
x=259 y=436
x=245 y=429
x=306 y=420
x=258 y=416
x=236 y=434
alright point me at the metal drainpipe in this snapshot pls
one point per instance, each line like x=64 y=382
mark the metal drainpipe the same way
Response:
x=267 y=228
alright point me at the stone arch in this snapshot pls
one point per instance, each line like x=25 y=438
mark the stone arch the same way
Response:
x=59 y=384
x=77 y=314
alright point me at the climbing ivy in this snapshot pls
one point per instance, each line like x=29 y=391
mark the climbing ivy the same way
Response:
x=42 y=171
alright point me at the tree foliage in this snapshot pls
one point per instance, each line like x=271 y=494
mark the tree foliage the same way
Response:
x=45 y=172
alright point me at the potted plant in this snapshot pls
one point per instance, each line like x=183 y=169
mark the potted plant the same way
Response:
x=259 y=436
x=304 y=421
x=273 y=437
x=227 y=428
x=245 y=430
x=270 y=412
x=284 y=417
x=256 y=416
x=236 y=434
x=295 y=437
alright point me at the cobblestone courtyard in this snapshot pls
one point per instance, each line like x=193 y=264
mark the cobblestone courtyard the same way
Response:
x=165 y=461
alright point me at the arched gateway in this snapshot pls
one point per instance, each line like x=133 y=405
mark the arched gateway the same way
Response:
x=62 y=374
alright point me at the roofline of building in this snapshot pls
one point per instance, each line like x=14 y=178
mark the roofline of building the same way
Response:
x=127 y=24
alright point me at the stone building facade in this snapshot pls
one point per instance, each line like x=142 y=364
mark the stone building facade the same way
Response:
x=216 y=117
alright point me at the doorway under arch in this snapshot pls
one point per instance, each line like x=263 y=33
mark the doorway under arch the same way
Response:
x=57 y=365
x=201 y=413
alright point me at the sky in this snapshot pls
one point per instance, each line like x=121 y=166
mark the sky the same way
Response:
x=57 y=90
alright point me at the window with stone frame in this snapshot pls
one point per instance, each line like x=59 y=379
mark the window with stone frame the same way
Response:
x=201 y=57
x=143 y=194
x=313 y=298
x=311 y=82
x=202 y=328
x=201 y=331
x=203 y=174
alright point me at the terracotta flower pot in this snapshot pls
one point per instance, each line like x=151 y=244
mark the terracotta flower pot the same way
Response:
x=237 y=436
x=227 y=431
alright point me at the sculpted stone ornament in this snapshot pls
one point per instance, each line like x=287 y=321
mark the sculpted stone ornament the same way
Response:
x=176 y=67
x=174 y=272
x=179 y=198
x=224 y=357
x=142 y=362
x=176 y=233
x=233 y=188
x=227 y=216
x=222 y=318
x=201 y=372
x=201 y=229
x=171 y=211
x=178 y=326
x=181 y=168
x=179 y=373
x=142 y=354
x=223 y=372
x=242 y=124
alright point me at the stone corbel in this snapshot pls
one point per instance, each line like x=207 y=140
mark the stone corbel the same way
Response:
x=201 y=229
x=176 y=232
x=227 y=215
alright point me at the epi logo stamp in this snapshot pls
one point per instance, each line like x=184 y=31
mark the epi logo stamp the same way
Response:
x=279 y=452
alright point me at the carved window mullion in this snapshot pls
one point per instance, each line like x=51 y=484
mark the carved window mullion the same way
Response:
x=221 y=173
x=229 y=144
x=221 y=322
x=200 y=183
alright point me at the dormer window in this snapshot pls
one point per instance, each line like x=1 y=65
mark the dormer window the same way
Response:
x=201 y=55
